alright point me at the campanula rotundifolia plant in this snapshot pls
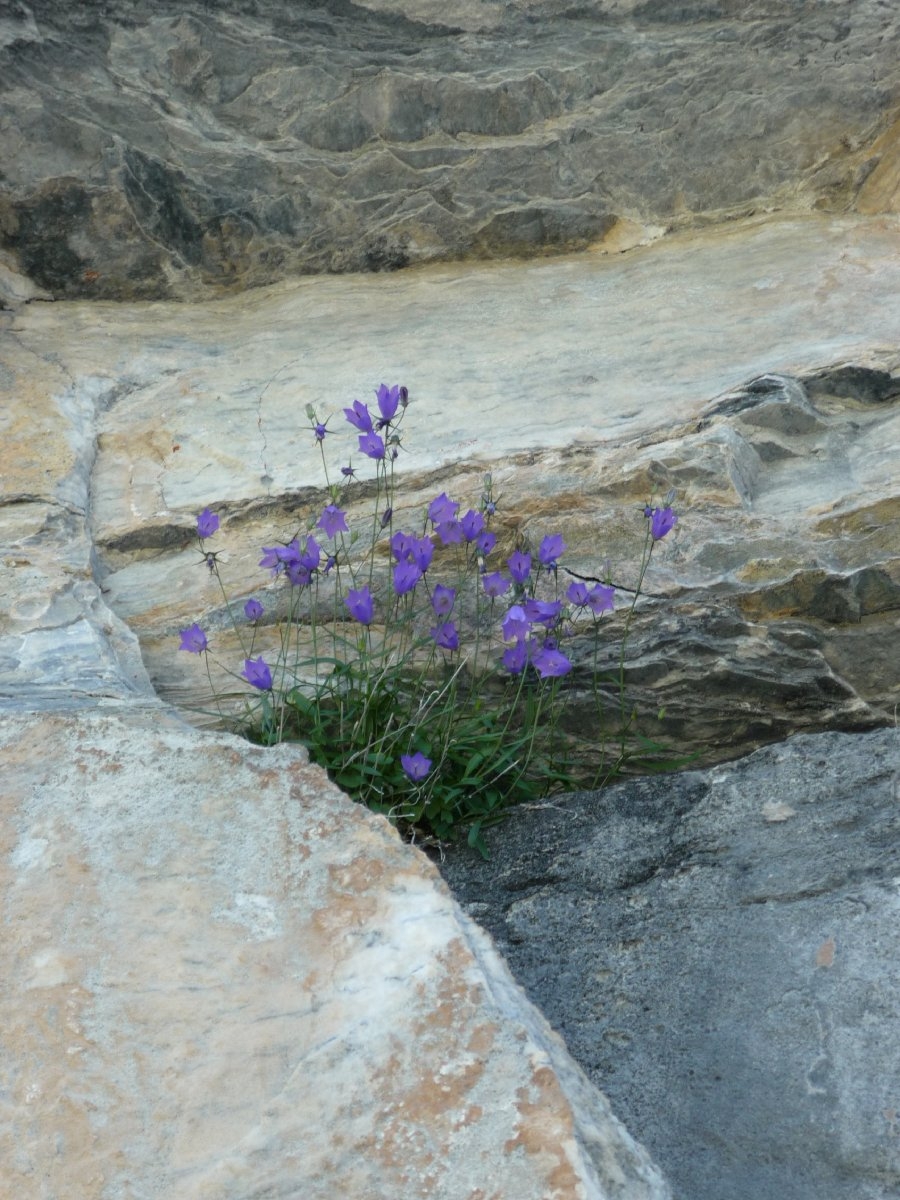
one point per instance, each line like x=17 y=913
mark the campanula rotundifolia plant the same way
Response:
x=433 y=683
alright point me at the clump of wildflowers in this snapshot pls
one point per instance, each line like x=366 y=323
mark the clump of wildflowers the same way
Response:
x=432 y=688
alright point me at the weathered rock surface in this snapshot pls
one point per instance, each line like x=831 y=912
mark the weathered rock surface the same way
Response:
x=168 y=149
x=222 y=979
x=219 y=978
x=774 y=605
x=720 y=951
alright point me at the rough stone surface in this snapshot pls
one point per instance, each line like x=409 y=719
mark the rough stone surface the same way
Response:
x=163 y=150
x=219 y=978
x=222 y=979
x=720 y=951
x=772 y=608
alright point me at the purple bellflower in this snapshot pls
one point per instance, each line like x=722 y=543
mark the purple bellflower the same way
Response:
x=372 y=445
x=406 y=575
x=253 y=610
x=442 y=509
x=193 y=640
x=359 y=416
x=662 y=520
x=422 y=553
x=515 y=659
x=495 y=585
x=361 y=605
x=402 y=544
x=207 y=524
x=256 y=672
x=519 y=566
x=332 y=521
x=550 y=662
x=485 y=542
x=577 y=594
x=388 y=399
x=515 y=623
x=450 y=532
x=601 y=598
x=415 y=765
x=543 y=612
x=550 y=550
x=445 y=635
x=472 y=525
x=442 y=600
x=312 y=554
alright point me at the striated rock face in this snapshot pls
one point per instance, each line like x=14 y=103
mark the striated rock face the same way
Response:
x=772 y=608
x=175 y=149
x=720 y=948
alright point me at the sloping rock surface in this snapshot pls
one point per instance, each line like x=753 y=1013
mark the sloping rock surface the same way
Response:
x=222 y=979
x=167 y=149
x=720 y=951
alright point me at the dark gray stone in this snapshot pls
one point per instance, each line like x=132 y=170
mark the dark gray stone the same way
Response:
x=168 y=149
x=720 y=951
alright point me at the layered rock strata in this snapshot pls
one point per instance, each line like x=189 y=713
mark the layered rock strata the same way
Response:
x=180 y=149
x=772 y=607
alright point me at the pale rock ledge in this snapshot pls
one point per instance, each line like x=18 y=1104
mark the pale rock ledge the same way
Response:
x=222 y=979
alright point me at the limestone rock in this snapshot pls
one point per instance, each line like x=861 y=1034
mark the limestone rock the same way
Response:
x=170 y=149
x=719 y=950
x=773 y=605
x=221 y=978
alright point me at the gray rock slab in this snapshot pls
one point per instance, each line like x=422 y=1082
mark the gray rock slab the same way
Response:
x=720 y=951
x=171 y=149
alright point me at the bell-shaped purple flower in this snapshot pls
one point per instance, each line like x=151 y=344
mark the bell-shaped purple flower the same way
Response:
x=256 y=672
x=450 y=532
x=402 y=544
x=388 y=399
x=422 y=553
x=193 y=640
x=662 y=521
x=207 y=523
x=515 y=623
x=519 y=566
x=253 y=610
x=601 y=598
x=445 y=635
x=359 y=416
x=577 y=594
x=332 y=521
x=543 y=612
x=515 y=658
x=372 y=445
x=472 y=524
x=550 y=662
x=495 y=585
x=442 y=509
x=442 y=600
x=406 y=575
x=416 y=766
x=360 y=605
x=550 y=549
x=485 y=542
